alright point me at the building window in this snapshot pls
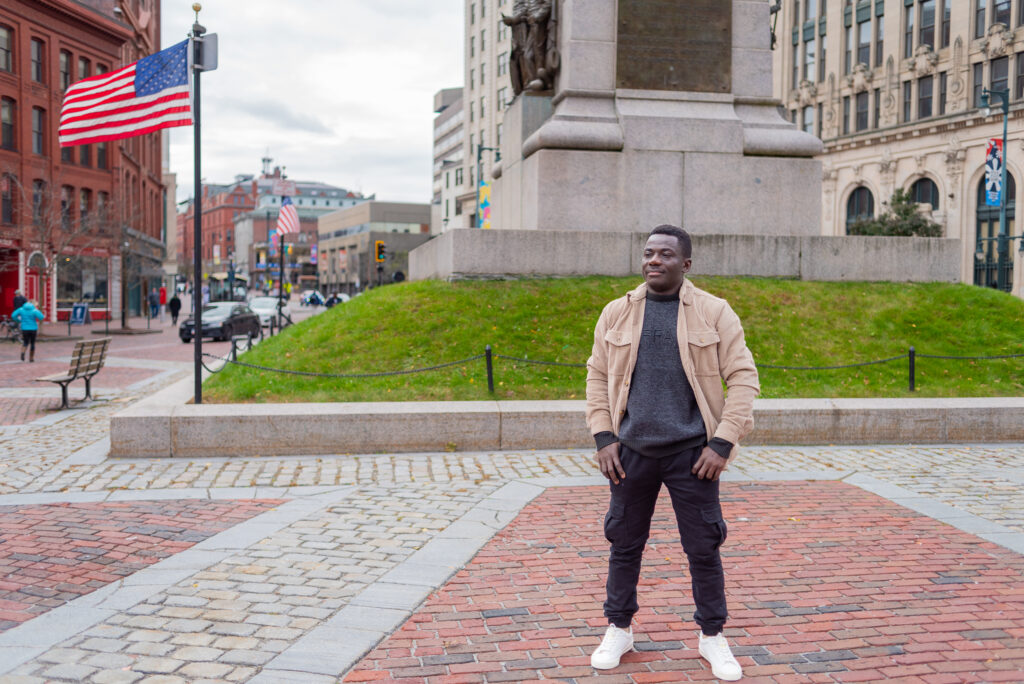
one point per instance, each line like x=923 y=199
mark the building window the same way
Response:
x=83 y=68
x=878 y=108
x=809 y=74
x=471 y=108
x=821 y=59
x=796 y=67
x=862 y=111
x=472 y=78
x=817 y=122
x=7 y=183
x=907 y=101
x=472 y=46
x=38 y=191
x=927 y=32
x=502 y=30
x=101 y=155
x=38 y=130
x=7 y=123
x=1001 y=10
x=808 y=119
x=5 y=49
x=483 y=40
x=84 y=200
x=908 y=31
x=924 y=191
x=483 y=74
x=999 y=71
x=864 y=43
x=502 y=64
x=848 y=60
x=66 y=154
x=501 y=95
x=482 y=108
x=986 y=268
x=942 y=93
x=924 y=97
x=472 y=13
x=101 y=69
x=879 y=40
x=860 y=206
x=979 y=83
x=846 y=114
x=65 y=69
x=979 y=18
x=1018 y=86
x=946 y=12
x=812 y=10
x=36 y=59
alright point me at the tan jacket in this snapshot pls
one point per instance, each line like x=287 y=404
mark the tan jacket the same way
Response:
x=716 y=352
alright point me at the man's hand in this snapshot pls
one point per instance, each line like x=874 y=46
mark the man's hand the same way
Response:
x=709 y=466
x=608 y=461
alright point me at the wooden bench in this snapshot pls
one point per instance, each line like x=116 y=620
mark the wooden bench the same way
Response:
x=86 y=361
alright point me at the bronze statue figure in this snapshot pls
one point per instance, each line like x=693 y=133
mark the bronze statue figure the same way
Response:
x=534 y=59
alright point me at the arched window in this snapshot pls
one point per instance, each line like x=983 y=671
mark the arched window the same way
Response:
x=924 y=191
x=986 y=262
x=861 y=205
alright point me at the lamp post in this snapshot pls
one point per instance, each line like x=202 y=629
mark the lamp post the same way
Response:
x=1003 y=242
x=480 y=178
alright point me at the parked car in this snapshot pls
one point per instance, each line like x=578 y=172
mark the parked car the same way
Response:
x=312 y=298
x=266 y=308
x=221 y=320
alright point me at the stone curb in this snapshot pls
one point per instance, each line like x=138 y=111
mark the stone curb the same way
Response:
x=167 y=425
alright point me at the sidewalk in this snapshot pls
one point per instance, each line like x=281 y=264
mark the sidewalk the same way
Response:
x=842 y=563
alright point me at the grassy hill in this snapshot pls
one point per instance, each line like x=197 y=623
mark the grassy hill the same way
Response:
x=787 y=322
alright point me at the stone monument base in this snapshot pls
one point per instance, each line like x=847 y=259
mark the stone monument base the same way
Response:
x=472 y=254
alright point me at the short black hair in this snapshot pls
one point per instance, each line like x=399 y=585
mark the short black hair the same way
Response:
x=685 y=247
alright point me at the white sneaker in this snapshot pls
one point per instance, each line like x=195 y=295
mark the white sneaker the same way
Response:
x=716 y=651
x=616 y=642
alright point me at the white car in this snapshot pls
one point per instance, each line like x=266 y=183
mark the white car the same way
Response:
x=266 y=308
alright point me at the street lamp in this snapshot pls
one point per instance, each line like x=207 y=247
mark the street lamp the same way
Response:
x=1003 y=243
x=480 y=178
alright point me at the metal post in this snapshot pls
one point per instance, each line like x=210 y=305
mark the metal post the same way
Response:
x=912 y=356
x=1003 y=245
x=490 y=370
x=280 y=290
x=197 y=228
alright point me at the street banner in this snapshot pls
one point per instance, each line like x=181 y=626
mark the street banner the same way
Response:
x=484 y=205
x=312 y=254
x=994 y=172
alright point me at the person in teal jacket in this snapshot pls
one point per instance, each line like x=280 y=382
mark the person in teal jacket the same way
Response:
x=28 y=316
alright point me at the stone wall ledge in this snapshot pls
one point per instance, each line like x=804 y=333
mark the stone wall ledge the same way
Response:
x=168 y=425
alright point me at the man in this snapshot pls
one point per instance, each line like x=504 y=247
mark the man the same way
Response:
x=658 y=414
x=154 y=303
x=19 y=300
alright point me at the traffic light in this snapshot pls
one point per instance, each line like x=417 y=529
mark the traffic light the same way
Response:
x=380 y=251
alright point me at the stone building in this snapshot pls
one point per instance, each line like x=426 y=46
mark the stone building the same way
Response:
x=81 y=223
x=449 y=163
x=894 y=90
x=347 y=261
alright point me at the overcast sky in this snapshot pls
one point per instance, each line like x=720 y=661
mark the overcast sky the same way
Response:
x=339 y=91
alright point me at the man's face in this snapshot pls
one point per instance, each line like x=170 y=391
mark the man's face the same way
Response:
x=663 y=264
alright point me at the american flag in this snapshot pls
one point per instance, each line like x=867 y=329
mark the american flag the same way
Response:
x=288 y=219
x=145 y=96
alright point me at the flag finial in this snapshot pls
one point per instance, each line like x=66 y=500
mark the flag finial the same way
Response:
x=195 y=8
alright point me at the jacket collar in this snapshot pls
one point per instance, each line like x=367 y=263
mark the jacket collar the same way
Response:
x=685 y=294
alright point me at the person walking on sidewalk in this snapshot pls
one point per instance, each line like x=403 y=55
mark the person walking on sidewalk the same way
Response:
x=174 y=306
x=28 y=317
x=154 y=303
x=19 y=300
x=658 y=414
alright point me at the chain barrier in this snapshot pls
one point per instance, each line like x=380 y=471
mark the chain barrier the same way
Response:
x=847 y=365
x=969 y=358
x=312 y=374
x=541 y=363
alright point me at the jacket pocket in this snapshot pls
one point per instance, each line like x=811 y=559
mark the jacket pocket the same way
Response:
x=703 y=346
x=618 y=350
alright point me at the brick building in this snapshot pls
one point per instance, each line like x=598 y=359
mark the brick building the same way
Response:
x=78 y=223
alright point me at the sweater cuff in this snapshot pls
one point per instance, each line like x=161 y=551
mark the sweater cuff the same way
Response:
x=605 y=438
x=720 y=446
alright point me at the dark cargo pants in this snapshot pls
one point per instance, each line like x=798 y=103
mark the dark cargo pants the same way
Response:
x=701 y=531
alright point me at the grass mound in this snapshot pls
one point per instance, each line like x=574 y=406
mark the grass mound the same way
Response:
x=787 y=323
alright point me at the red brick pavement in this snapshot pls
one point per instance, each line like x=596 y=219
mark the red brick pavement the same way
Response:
x=52 y=554
x=826 y=582
x=21 y=411
x=24 y=375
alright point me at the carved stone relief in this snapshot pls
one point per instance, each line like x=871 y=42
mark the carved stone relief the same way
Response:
x=924 y=60
x=807 y=93
x=860 y=79
x=998 y=42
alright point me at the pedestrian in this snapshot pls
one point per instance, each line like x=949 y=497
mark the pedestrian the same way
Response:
x=163 y=301
x=174 y=306
x=656 y=408
x=28 y=316
x=206 y=294
x=19 y=300
x=154 y=303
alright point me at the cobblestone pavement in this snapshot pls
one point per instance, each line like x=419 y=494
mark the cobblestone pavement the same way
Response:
x=844 y=563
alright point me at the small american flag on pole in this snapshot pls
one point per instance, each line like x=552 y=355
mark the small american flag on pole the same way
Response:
x=288 y=219
x=145 y=96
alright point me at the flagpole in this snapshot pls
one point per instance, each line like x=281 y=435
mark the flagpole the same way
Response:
x=280 y=290
x=197 y=212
